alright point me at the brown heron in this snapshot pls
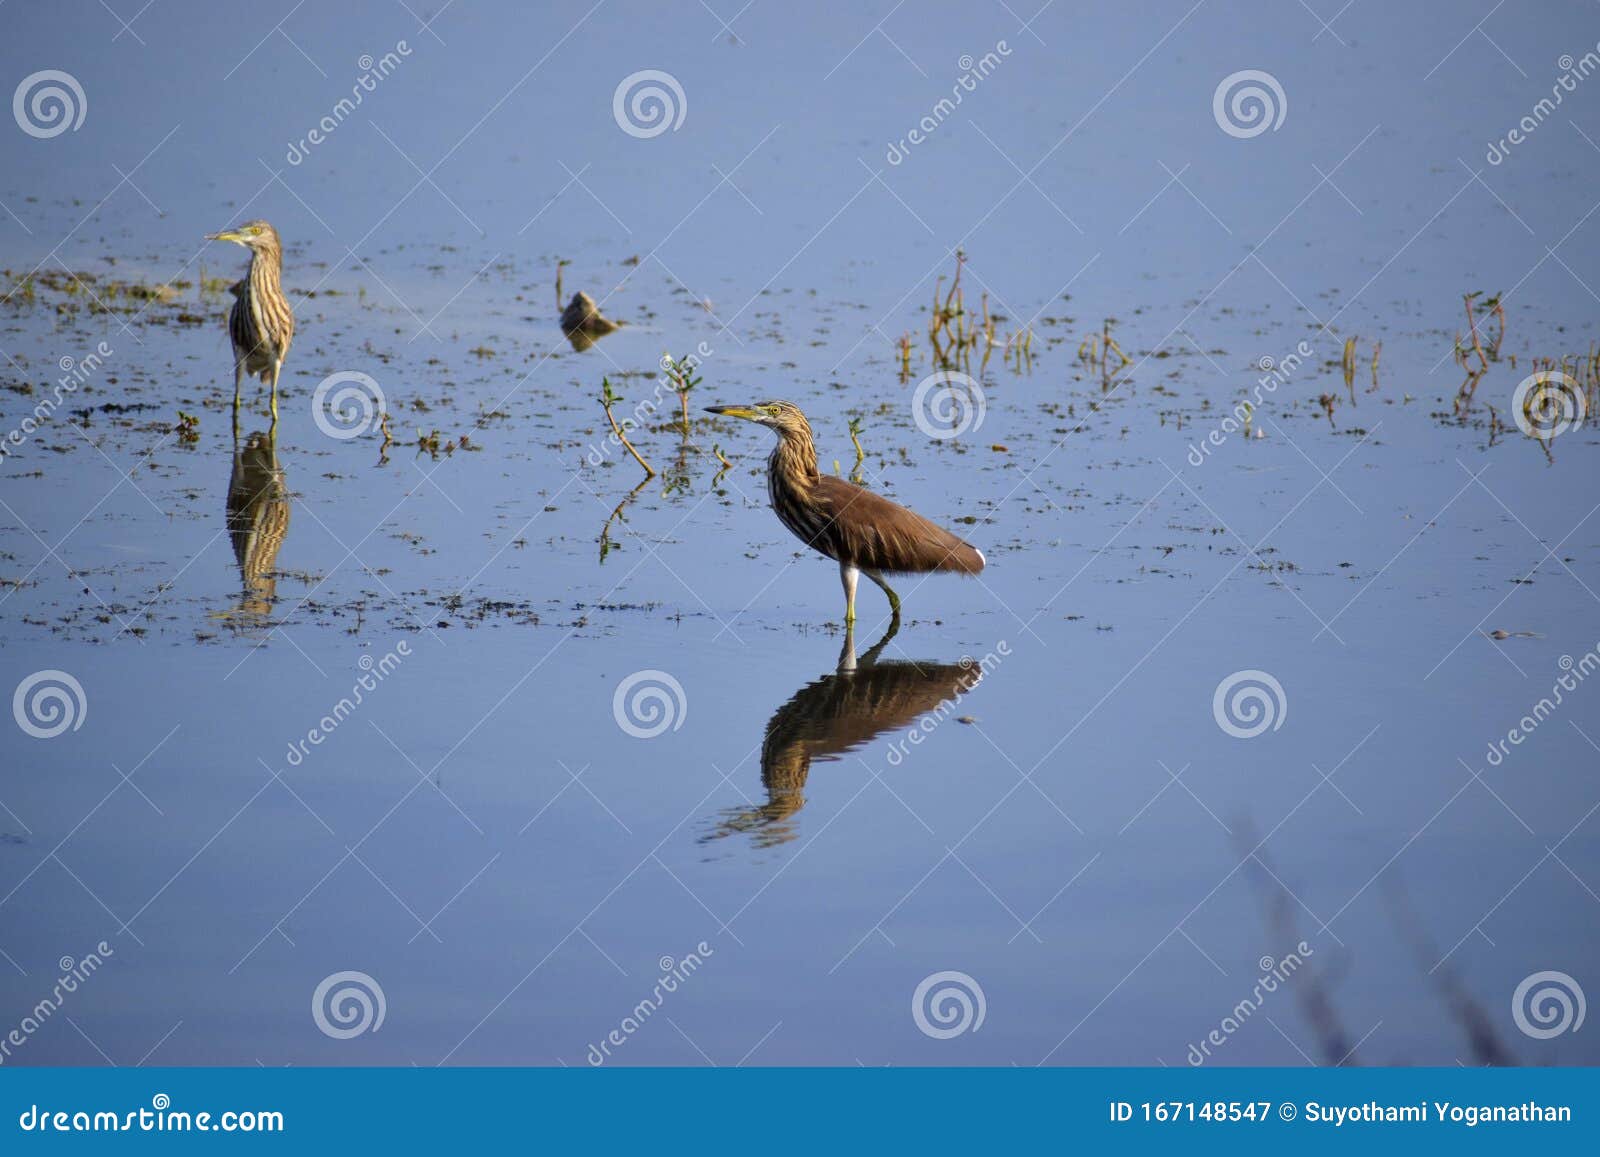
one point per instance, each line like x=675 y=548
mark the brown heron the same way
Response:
x=863 y=532
x=261 y=323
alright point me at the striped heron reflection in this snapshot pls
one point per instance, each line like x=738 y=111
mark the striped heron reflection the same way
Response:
x=257 y=520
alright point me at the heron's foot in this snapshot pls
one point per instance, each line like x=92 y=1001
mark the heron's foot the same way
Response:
x=894 y=599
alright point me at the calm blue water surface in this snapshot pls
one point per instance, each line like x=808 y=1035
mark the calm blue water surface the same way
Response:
x=1112 y=871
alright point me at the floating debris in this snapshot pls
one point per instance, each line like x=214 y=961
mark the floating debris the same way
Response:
x=583 y=324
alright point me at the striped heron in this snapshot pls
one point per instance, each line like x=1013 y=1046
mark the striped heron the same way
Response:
x=863 y=532
x=261 y=323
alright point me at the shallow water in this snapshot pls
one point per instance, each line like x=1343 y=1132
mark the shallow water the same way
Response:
x=1074 y=830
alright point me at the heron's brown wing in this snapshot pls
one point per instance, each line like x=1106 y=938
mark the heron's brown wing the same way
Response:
x=873 y=533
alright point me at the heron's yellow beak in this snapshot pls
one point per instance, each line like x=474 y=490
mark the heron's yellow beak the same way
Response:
x=226 y=235
x=746 y=412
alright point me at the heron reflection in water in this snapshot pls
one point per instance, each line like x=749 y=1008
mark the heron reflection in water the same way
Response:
x=832 y=716
x=258 y=520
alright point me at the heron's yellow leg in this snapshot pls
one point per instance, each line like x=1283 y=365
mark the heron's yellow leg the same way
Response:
x=848 y=576
x=894 y=599
x=277 y=367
